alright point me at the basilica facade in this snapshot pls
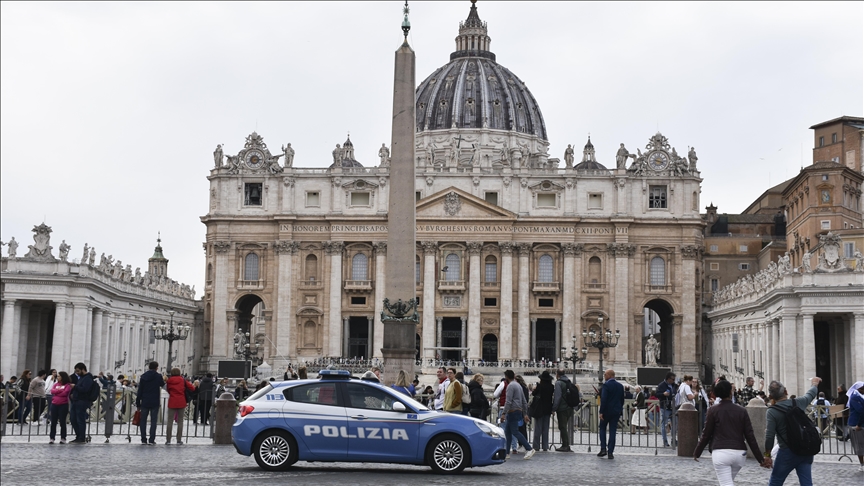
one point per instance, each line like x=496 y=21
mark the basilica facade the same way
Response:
x=517 y=251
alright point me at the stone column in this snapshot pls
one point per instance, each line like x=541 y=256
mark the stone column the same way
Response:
x=689 y=255
x=334 y=334
x=9 y=331
x=346 y=335
x=558 y=340
x=568 y=322
x=439 y=324
x=464 y=333
x=474 y=351
x=96 y=342
x=377 y=332
x=36 y=339
x=857 y=344
x=104 y=353
x=430 y=336
x=78 y=351
x=532 y=351
x=58 y=340
x=789 y=343
x=220 y=336
x=620 y=305
x=806 y=351
x=775 y=348
x=19 y=356
x=285 y=251
x=523 y=324
x=370 y=336
x=505 y=327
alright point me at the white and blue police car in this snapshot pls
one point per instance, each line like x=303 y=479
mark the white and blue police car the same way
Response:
x=339 y=418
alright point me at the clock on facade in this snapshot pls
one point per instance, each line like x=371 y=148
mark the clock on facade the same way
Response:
x=254 y=159
x=658 y=160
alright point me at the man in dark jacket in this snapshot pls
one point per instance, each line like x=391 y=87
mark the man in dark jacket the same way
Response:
x=79 y=403
x=666 y=392
x=205 y=397
x=149 y=395
x=543 y=394
x=611 y=408
x=562 y=410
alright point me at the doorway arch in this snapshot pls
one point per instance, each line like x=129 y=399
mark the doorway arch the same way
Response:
x=659 y=321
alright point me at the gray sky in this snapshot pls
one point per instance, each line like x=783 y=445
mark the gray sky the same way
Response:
x=110 y=111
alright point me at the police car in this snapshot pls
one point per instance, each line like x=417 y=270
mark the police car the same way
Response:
x=339 y=418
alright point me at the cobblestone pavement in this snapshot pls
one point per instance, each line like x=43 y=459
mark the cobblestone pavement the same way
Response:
x=202 y=463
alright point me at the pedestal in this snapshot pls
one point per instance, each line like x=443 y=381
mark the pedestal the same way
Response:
x=398 y=351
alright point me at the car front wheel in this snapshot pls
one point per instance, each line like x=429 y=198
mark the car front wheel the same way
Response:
x=275 y=450
x=447 y=454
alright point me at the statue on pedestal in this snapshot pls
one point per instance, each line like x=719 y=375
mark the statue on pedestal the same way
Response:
x=568 y=156
x=92 y=260
x=289 y=155
x=13 y=248
x=691 y=155
x=621 y=157
x=652 y=351
x=86 y=252
x=384 y=154
x=218 y=156
x=64 y=251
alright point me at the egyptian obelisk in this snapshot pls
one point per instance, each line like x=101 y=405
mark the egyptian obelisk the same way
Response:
x=400 y=316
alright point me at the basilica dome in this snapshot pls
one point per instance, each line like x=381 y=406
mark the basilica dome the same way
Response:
x=474 y=91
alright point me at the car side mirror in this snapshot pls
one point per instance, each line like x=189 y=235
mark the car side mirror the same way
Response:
x=399 y=407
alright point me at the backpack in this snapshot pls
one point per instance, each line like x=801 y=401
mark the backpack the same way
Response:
x=93 y=393
x=802 y=437
x=571 y=395
x=466 y=395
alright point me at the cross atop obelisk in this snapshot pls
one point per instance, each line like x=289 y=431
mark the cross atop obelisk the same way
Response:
x=400 y=313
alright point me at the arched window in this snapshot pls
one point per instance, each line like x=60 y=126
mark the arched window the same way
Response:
x=452 y=263
x=544 y=270
x=658 y=271
x=359 y=267
x=417 y=268
x=251 y=268
x=491 y=269
x=594 y=271
x=311 y=267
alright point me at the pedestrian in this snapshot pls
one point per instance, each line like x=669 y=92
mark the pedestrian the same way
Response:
x=49 y=385
x=194 y=400
x=611 y=408
x=24 y=403
x=563 y=411
x=443 y=381
x=640 y=419
x=402 y=385
x=429 y=397
x=37 y=393
x=177 y=387
x=60 y=406
x=726 y=428
x=466 y=393
x=289 y=374
x=524 y=427
x=479 y=403
x=514 y=412
x=840 y=419
x=80 y=403
x=856 y=420
x=241 y=392
x=542 y=405
x=149 y=394
x=666 y=393
x=301 y=373
x=685 y=392
x=453 y=393
x=786 y=459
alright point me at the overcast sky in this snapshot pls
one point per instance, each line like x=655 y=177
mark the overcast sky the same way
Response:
x=111 y=111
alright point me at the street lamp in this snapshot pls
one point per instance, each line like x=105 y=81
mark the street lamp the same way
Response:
x=575 y=357
x=250 y=350
x=601 y=341
x=170 y=333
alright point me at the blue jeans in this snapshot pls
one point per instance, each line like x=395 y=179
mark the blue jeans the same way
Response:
x=78 y=417
x=153 y=413
x=23 y=411
x=667 y=415
x=612 y=422
x=786 y=462
x=58 y=416
x=511 y=430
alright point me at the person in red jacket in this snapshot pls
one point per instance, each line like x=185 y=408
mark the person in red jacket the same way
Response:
x=176 y=386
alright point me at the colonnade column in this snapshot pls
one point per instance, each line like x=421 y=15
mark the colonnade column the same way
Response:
x=505 y=324
x=523 y=325
x=219 y=320
x=78 y=350
x=620 y=308
x=789 y=342
x=857 y=344
x=689 y=254
x=333 y=334
x=19 y=344
x=474 y=351
x=439 y=324
x=346 y=333
x=377 y=336
x=58 y=344
x=285 y=251
x=96 y=342
x=568 y=321
x=775 y=349
x=430 y=337
x=464 y=320
x=8 y=333
x=807 y=350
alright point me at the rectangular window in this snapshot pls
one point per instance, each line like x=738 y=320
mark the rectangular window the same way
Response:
x=742 y=248
x=358 y=300
x=491 y=198
x=417 y=196
x=826 y=225
x=715 y=266
x=743 y=266
x=359 y=198
x=849 y=249
x=821 y=141
x=595 y=201
x=824 y=177
x=491 y=272
x=833 y=138
x=490 y=302
x=313 y=199
x=714 y=248
x=546 y=200
x=657 y=197
x=715 y=284
x=546 y=303
x=252 y=194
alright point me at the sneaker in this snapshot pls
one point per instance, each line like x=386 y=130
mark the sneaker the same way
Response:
x=602 y=453
x=530 y=454
x=51 y=441
x=168 y=442
x=179 y=442
x=611 y=456
x=508 y=457
x=563 y=449
x=62 y=441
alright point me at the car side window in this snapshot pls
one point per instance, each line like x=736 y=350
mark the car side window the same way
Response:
x=316 y=393
x=368 y=397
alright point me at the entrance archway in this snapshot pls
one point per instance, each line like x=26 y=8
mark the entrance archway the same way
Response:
x=658 y=321
x=245 y=308
x=490 y=348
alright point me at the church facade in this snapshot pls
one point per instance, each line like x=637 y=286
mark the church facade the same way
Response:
x=517 y=251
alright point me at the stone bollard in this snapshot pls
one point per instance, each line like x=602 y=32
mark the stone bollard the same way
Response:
x=758 y=413
x=223 y=419
x=688 y=430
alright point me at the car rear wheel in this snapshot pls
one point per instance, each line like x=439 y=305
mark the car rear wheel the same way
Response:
x=275 y=450
x=447 y=454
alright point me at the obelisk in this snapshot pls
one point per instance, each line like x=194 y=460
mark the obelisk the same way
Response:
x=400 y=311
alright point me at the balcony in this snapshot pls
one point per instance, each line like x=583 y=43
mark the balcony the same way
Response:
x=658 y=289
x=311 y=285
x=451 y=286
x=358 y=286
x=594 y=287
x=546 y=288
x=491 y=285
x=250 y=284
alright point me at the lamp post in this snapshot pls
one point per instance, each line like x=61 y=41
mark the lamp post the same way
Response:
x=170 y=333
x=602 y=340
x=575 y=357
x=250 y=350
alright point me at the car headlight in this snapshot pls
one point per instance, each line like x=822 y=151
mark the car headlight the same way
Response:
x=489 y=429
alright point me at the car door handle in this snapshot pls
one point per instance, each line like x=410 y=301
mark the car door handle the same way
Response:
x=358 y=417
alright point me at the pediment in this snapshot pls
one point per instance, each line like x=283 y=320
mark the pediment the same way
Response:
x=453 y=203
x=546 y=186
x=360 y=184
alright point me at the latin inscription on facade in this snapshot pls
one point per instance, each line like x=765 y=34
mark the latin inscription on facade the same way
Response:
x=453 y=228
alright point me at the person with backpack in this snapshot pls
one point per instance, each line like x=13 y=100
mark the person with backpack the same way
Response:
x=84 y=393
x=796 y=435
x=466 y=393
x=564 y=399
x=479 y=403
x=541 y=405
x=453 y=393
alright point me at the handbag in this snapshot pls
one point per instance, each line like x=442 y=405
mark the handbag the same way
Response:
x=136 y=419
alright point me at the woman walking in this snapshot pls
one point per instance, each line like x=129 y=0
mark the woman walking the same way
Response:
x=543 y=410
x=176 y=386
x=639 y=420
x=726 y=428
x=479 y=402
x=60 y=406
x=23 y=396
